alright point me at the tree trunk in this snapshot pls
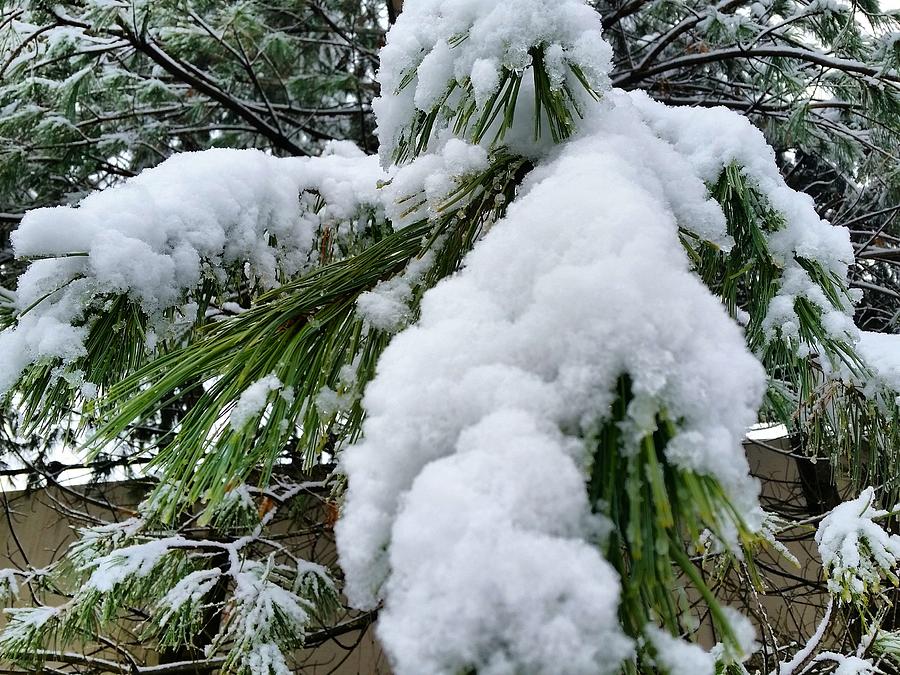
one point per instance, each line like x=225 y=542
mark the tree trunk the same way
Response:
x=816 y=480
x=394 y=9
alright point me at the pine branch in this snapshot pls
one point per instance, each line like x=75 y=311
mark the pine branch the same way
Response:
x=630 y=78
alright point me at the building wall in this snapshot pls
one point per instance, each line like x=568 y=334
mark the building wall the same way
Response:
x=33 y=530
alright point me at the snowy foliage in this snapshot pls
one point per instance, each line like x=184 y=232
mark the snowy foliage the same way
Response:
x=188 y=592
x=24 y=624
x=565 y=302
x=528 y=278
x=125 y=564
x=804 y=236
x=856 y=551
x=195 y=219
x=105 y=89
x=449 y=61
x=9 y=586
x=541 y=363
x=387 y=306
x=265 y=608
x=263 y=616
x=848 y=665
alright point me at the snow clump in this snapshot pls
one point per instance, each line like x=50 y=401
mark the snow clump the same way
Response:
x=856 y=551
x=158 y=235
x=550 y=314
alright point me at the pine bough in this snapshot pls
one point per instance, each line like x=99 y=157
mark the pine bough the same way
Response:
x=534 y=335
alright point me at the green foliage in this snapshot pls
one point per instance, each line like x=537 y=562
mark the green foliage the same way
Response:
x=95 y=92
x=840 y=418
x=819 y=78
x=309 y=335
x=91 y=94
x=555 y=106
x=655 y=508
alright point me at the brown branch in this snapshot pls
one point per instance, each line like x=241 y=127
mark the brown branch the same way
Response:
x=805 y=55
x=189 y=74
x=394 y=7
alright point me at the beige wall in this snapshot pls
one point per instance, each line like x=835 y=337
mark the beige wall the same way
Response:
x=32 y=530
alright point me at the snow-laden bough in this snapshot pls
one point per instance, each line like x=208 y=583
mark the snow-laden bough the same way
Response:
x=467 y=514
x=159 y=236
x=464 y=468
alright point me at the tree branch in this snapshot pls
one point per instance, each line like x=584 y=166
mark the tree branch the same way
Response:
x=805 y=55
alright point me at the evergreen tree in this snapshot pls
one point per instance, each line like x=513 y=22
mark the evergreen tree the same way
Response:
x=533 y=331
x=92 y=93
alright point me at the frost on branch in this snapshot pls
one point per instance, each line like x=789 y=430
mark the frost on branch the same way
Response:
x=856 y=551
x=25 y=626
x=849 y=665
x=263 y=618
x=186 y=586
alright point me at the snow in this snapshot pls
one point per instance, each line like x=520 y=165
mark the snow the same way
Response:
x=471 y=448
x=489 y=572
x=744 y=635
x=803 y=654
x=470 y=41
x=260 y=611
x=881 y=352
x=418 y=190
x=314 y=579
x=485 y=78
x=572 y=289
x=804 y=234
x=24 y=622
x=138 y=560
x=677 y=657
x=253 y=401
x=240 y=497
x=9 y=587
x=560 y=298
x=387 y=306
x=190 y=590
x=88 y=390
x=33 y=617
x=93 y=541
x=265 y=657
x=158 y=235
x=818 y=6
x=856 y=552
x=849 y=665
x=258 y=599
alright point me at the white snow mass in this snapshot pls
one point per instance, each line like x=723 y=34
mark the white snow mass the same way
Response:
x=156 y=236
x=584 y=280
